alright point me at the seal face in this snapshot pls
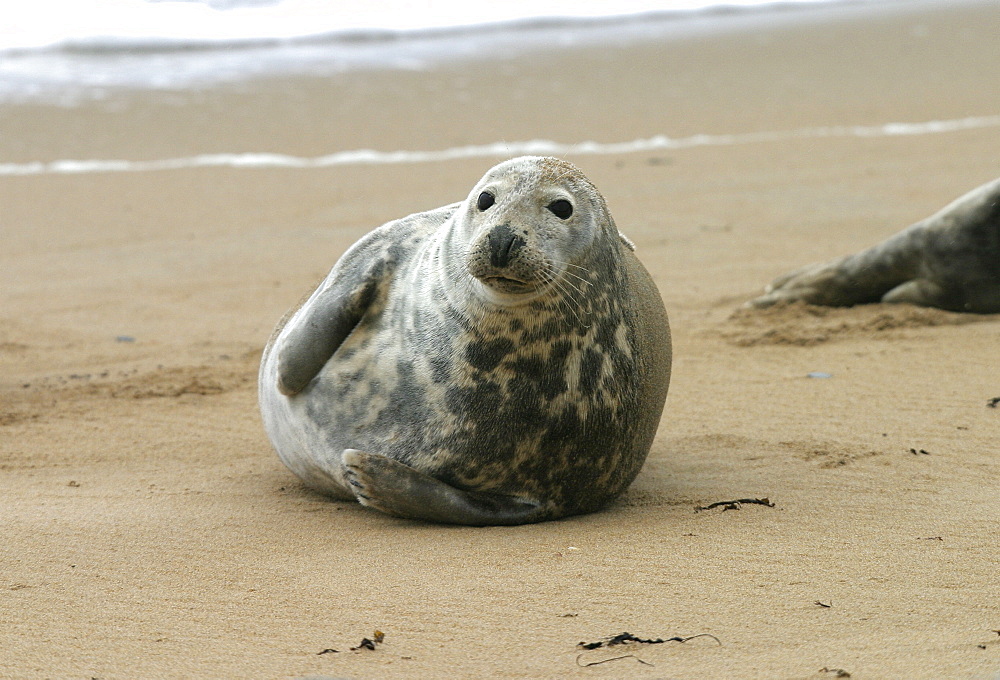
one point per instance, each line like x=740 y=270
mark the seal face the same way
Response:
x=497 y=361
x=950 y=260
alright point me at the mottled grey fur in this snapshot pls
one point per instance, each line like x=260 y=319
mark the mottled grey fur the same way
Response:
x=473 y=366
x=950 y=260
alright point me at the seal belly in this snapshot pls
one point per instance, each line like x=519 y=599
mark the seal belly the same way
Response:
x=556 y=410
x=377 y=392
x=294 y=434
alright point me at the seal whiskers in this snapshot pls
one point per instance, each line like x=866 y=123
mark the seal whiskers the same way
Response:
x=572 y=295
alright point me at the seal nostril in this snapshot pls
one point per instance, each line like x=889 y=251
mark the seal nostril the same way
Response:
x=504 y=243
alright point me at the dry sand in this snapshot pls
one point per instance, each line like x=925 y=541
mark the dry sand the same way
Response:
x=148 y=530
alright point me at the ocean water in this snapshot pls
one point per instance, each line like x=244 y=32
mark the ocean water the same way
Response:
x=72 y=50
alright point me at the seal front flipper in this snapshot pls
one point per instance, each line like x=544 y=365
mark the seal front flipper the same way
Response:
x=328 y=316
x=398 y=489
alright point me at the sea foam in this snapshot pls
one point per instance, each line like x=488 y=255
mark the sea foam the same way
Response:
x=495 y=149
x=69 y=51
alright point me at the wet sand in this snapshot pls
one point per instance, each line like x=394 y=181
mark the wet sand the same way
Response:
x=150 y=531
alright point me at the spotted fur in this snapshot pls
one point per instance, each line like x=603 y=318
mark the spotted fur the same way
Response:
x=530 y=373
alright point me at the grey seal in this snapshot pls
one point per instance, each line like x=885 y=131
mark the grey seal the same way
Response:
x=501 y=360
x=949 y=260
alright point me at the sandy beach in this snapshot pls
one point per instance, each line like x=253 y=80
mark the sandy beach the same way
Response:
x=149 y=531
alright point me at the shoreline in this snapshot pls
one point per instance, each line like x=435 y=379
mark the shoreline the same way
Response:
x=311 y=116
x=498 y=150
x=91 y=74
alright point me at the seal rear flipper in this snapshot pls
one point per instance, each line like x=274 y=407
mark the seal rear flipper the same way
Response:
x=398 y=489
x=851 y=279
x=823 y=283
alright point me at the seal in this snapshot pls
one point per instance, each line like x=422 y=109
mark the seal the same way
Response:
x=502 y=360
x=949 y=260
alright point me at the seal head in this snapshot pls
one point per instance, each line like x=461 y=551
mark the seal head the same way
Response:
x=520 y=233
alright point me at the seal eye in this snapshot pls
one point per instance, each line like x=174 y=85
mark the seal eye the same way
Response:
x=561 y=209
x=485 y=201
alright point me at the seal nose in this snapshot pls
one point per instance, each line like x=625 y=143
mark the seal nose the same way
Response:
x=503 y=244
